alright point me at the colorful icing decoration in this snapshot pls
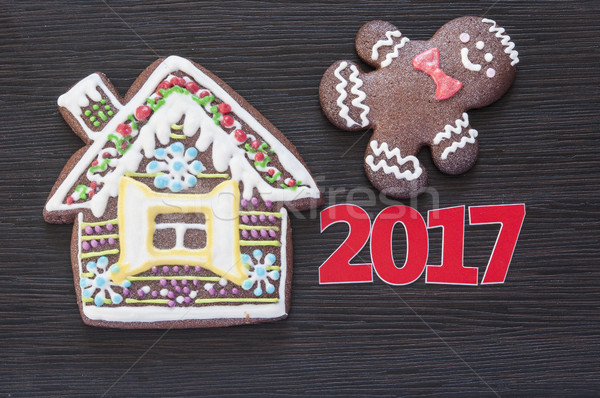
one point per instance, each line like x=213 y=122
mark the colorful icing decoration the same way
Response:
x=260 y=272
x=429 y=62
x=195 y=185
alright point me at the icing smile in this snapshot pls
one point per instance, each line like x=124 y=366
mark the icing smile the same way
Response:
x=464 y=57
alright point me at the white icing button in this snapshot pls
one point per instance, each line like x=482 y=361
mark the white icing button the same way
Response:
x=488 y=57
x=491 y=72
x=479 y=45
x=464 y=37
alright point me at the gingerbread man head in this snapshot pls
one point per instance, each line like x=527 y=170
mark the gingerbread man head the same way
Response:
x=418 y=95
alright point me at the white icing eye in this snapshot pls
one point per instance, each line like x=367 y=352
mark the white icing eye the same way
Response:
x=479 y=45
x=491 y=72
x=464 y=37
x=488 y=57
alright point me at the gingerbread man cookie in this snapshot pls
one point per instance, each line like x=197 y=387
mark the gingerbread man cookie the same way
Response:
x=418 y=95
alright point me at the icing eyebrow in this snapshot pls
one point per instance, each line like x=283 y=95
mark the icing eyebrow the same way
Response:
x=479 y=45
x=464 y=37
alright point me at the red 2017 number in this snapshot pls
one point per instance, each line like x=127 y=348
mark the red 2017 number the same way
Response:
x=337 y=268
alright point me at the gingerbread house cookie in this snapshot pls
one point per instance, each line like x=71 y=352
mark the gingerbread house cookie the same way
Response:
x=418 y=96
x=178 y=202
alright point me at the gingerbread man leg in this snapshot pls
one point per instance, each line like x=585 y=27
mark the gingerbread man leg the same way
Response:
x=392 y=170
x=454 y=150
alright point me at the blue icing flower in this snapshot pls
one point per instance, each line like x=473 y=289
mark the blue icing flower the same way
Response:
x=178 y=165
x=260 y=270
x=100 y=281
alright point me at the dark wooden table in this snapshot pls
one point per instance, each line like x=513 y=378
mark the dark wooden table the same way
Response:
x=535 y=335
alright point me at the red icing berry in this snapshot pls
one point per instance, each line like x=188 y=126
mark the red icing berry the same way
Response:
x=271 y=172
x=192 y=87
x=94 y=185
x=70 y=200
x=224 y=108
x=178 y=81
x=227 y=121
x=163 y=86
x=240 y=135
x=142 y=112
x=203 y=94
x=91 y=194
x=259 y=156
x=95 y=163
x=291 y=182
x=124 y=129
x=254 y=144
x=105 y=155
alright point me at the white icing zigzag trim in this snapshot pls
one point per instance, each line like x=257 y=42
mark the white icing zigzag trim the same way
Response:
x=357 y=102
x=341 y=89
x=449 y=129
x=390 y=56
x=382 y=164
x=505 y=41
x=460 y=144
x=388 y=42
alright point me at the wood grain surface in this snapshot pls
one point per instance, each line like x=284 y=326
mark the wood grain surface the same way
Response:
x=535 y=335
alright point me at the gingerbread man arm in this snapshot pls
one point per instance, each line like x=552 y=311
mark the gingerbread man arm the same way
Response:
x=379 y=43
x=454 y=149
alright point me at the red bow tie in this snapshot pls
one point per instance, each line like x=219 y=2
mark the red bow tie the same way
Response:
x=429 y=62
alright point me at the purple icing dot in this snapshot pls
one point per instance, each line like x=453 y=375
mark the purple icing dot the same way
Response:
x=186 y=290
x=198 y=268
x=98 y=229
x=245 y=234
x=195 y=282
x=154 y=293
x=173 y=282
x=175 y=269
x=178 y=289
x=212 y=292
x=165 y=269
x=254 y=201
x=245 y=219
x=244 y=203
x=254 y=219
x=272 y=218
x=272 y=233
x=262 y=218
x=222 y=292
x=94 y=243
x=235 y=290
x=89 y=230
x=140 y=293
x=184 y=282
x=264 y=233
x=187 y=300
x=109 y=227
x=125 y=292
x=85 y=245
x=111 y=241
x=171 y=295
x=163 y=282
x=171 y=303
x=254 y=233
x=186 y=268
x=102 y=241
x=154 y=270
x=268 y=203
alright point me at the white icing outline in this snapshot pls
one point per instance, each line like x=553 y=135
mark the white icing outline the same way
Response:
x=390 y=56
x=153 y=313
x=449 y=129
x=382 y=164
x=357 y=102
x=460 y=144
x=505 y=40
x=464 y=58
x=384 y=42
x=131 y=160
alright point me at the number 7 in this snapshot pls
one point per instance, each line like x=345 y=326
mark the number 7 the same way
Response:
x=510 y=218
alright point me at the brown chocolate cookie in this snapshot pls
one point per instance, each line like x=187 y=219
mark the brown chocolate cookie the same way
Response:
x=418 y=95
